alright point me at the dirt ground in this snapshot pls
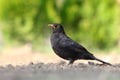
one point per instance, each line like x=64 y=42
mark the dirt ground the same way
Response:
x=24 y=65
x=60 y=71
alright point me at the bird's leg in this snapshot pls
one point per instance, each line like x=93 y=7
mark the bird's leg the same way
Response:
x=71 y=61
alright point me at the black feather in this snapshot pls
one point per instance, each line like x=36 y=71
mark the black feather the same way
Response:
x=68 y=49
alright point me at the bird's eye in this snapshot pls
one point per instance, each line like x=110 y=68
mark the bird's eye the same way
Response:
x=57 y=26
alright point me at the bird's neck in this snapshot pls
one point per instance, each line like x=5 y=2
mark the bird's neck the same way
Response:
x=59 y=32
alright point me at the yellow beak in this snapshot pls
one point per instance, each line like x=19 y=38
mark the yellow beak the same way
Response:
x=51 y=25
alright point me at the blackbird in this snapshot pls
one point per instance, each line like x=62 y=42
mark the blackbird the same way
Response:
x=67 y=48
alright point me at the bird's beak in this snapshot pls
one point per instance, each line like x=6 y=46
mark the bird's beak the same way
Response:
x=51 y=25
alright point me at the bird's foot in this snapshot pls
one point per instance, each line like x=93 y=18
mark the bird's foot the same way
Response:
x=71 y=62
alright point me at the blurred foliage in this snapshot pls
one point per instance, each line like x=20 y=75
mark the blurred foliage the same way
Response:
x=94 y=22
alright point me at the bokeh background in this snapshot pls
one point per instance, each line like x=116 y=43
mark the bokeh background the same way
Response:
x=93 y=23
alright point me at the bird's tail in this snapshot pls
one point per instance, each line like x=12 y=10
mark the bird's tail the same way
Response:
x=103 y=61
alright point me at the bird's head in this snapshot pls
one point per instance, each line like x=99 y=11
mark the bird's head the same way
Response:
x=56 y=28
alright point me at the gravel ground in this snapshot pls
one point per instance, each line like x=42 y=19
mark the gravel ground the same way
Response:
x=22 y=64
x=60 y=71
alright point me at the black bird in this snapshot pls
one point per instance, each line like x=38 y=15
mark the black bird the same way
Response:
x=68 y=49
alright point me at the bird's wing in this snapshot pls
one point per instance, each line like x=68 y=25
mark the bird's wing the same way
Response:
x=69 y=44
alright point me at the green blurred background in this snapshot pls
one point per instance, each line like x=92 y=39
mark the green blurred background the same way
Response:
x=93 y=23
